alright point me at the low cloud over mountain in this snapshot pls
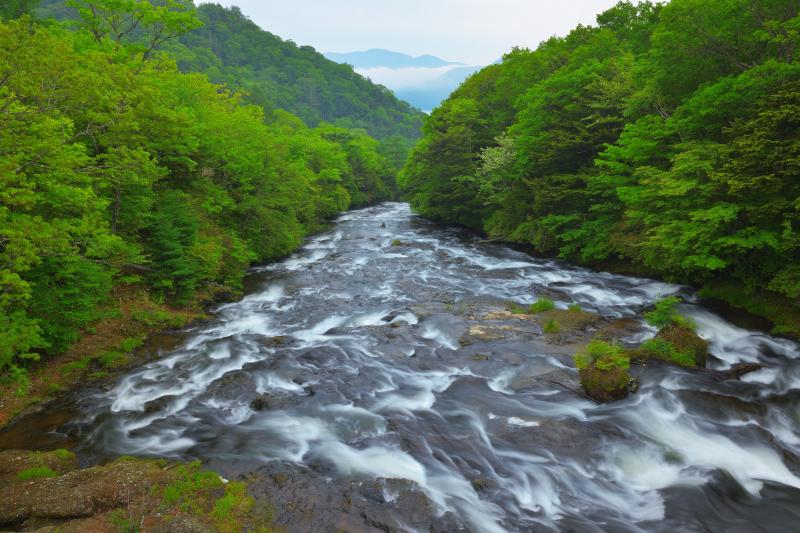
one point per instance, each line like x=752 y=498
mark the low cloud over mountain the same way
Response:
x=423 y=81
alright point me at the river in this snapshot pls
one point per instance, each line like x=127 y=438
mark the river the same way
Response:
x=355 y=344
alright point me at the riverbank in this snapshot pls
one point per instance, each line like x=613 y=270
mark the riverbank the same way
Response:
x=105 y=348
x=49 y=492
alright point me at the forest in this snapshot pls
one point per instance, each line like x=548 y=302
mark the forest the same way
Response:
x=118 y=168
x=664 y=141
x=276 y=74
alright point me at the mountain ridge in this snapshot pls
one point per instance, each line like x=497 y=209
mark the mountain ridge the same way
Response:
x=379 y=57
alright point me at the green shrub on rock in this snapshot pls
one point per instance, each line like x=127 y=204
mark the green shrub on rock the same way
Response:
x=541 y=305
x=552 y=326
x=603 y=370
x=658 y=348
x=676 y=342
x=685 y=341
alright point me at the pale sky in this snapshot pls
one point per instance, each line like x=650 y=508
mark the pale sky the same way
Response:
x=475 y=32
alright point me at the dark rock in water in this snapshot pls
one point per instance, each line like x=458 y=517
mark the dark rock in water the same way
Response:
x=736 y=372
x=274 y=342
x=481 y=484
x=234 y=385
x=272 y=402
x=686 y=340
x=383 y=225
x=262 y=403
x=307 y=501
x=159 y=404
x=722 y=406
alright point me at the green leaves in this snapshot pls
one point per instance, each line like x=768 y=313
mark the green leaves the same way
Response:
x=142 y=25
x=602 y=356
x=666 y=139
x=116 y=171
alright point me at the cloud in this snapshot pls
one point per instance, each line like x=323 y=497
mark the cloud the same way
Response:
x=468 y=31
x=404 y=78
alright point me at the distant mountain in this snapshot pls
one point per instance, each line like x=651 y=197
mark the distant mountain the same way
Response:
x=429 y=95
x=386 y=58
x=423 y=81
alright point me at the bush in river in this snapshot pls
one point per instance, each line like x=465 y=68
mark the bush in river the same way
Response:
x=676 y=342
x=658 y=348
x=685 y=341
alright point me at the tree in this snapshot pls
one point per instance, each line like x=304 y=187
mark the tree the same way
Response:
x=146 y=23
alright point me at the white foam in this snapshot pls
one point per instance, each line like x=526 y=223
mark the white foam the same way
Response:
x=442 y=338
x=670 y=426
x=515 y=421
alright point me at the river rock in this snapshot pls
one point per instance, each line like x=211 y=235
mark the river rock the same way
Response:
x=736 y=372
x=12 y=462
x=79 y=493
x=271 y=402
x=274 y=342
x=605 y=385
x=686 y=340
x=307 y=501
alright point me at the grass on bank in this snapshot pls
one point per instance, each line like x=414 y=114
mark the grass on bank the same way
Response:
x=103 y=346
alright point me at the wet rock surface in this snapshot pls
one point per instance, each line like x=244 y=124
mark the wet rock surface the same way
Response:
x=372 y=385
x=68 y=493
x=308 y=501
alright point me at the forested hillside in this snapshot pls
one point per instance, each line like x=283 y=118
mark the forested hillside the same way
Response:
x=665 y=140
x=117 y=169
x=277 y=74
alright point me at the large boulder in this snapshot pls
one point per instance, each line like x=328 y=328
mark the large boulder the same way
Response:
x=605 y=385
x=603 y=370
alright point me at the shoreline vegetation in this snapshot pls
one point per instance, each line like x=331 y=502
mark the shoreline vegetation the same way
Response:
x=662 y=141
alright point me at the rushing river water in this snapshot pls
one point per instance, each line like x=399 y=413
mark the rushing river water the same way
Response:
x=370 y=381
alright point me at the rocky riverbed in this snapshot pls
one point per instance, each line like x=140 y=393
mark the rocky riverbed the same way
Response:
x=388 y=378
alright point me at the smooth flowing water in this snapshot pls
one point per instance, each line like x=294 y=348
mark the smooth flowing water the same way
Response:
x=368 y=380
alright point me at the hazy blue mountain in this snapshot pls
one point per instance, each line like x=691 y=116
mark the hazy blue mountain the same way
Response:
x=429 y=95
x=386 y=58
x=423 y=81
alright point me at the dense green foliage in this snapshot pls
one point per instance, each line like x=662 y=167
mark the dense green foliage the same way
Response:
x=658 y=348
x=603 y=356
x=277 y=74
x=666 y=138
x=116 y=168
x=665 y=314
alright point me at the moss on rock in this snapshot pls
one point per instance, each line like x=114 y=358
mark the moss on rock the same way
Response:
x=603 y=370
x=126 y=492
x=687 y=345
